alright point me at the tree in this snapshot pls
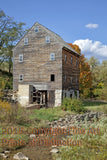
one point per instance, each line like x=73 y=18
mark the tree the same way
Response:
x=10 y=33
x=99 y=78
x=93 y=62
x=75 y=47
x=85 y=80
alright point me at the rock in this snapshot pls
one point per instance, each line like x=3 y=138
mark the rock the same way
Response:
x=60 y=120
x=54 y=146
x=71 y=119
x=88 y=118
x=3 y=155
x=55 y=126
x=6 y=152
x=54 y=150
x=20 y=156
x=55 y=122
x=49 y=123
x=32 y=136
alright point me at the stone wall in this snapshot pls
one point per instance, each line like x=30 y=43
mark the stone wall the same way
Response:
x=70 y=120
x=23 y=94
x=58 y=97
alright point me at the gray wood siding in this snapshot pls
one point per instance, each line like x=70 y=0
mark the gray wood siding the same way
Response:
x=37 y=66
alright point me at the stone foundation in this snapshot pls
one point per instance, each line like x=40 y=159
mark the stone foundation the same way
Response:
x=71 y=93
x=25 y=98
x=58 y=98
x=23 y=94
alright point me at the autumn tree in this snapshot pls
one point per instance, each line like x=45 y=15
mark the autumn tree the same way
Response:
x=85 y=79
x=75 y=47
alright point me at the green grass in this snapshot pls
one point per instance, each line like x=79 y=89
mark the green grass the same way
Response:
x=49 y=114
x=93 y=103
x=38 y=118
x=31 y=118
x=95 y=106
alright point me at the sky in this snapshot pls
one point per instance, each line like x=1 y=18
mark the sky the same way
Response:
x=81 y=22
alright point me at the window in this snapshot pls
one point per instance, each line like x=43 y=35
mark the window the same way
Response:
x=21 y=77
x=65 y=78
x=47 y=39
x=71 y=79
x=52 y=56
x=76 y=62
x=37 y=29
x=71 y=60
x=26 y=41
x=65 y=57
x=76 y=79
x=52 y=77
x=21 y=58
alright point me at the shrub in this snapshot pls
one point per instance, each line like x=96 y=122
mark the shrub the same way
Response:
x=73 y=105
x=66 y=104
x=5 y=110
x=6 y=80
x=13 y=114
x=19 y=115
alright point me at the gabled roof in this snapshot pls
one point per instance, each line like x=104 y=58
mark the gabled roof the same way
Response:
x=56 y=36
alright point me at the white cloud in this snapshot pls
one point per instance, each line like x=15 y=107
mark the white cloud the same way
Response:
x=92 y=48
x=91 y=25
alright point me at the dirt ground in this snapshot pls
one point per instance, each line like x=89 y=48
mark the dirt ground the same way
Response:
x=34 y=153
x=37 y=152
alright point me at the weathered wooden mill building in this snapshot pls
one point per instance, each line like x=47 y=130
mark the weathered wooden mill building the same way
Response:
x=45 y=68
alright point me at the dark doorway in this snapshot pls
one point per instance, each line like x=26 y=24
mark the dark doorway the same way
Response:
x=39 y=97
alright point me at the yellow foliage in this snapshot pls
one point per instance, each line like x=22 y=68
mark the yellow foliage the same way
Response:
x=5 y=106
x=5 y=110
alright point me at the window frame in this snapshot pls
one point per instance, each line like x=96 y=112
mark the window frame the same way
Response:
x=52 y=56
x=71 y=79
x=47 y=39
x=36 y=29
x=65 y=78
x=52 y=78
x=25 y=41
x=20 y=77
x=76 y=62
x=71 y=60
x=65 y=57
x=20 y=58
x=76 y=79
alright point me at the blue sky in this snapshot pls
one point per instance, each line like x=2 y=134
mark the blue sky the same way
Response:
x=83 y=22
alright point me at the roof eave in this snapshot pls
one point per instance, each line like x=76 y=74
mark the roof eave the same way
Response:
x=71 y=50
